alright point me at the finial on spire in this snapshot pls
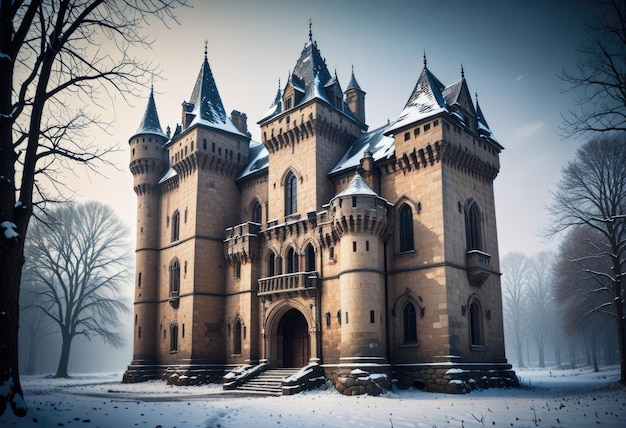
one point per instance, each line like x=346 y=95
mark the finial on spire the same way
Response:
x=425 y=61
x=353 y=69
x=310 y=31
x=462 y=72
x=206 y=44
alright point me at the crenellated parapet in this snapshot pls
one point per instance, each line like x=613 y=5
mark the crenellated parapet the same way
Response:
x=482 y=163
x=358 y=209
x=243 y=242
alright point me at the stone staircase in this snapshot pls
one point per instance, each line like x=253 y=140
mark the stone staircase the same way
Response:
x=269 y=382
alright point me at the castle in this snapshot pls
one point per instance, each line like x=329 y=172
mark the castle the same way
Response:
x=325 y=245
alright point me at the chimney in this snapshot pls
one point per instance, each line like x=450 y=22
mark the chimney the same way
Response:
x=240 y=120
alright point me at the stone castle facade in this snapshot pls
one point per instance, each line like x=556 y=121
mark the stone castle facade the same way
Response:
x=354 y=250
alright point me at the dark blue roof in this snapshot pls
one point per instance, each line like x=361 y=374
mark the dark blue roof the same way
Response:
x=150 y=122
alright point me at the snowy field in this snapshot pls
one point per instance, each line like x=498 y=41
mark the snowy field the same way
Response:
x=556 y=398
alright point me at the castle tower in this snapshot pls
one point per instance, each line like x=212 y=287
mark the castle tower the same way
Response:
x=206 y=156
x=354 y=96
x=308 y=129
x=362 y=221
x=148 y=163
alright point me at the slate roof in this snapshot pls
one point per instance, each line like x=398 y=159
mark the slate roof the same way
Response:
x=378 y=144
x=150 y=123
x=258 y=160
x=426 y=100
x=357 y=186
x=353 y=84
x=311 y=80
x=205 y=103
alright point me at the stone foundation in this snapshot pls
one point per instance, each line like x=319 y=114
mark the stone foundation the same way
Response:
x=371 y=380
x=457 y=378
x=175 y=375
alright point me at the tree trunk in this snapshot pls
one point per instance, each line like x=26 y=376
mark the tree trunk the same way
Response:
x=65 y=357
x=594 y=353
x=11 y=254
x=540 y=351
x=520 y=356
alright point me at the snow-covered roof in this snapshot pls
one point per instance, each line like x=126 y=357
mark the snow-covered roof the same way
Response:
x=379 y=145
x=425 y=101
x=206 y=104
x=169 y=174
x=312 y=80
x=150 y=123
x=258 y=160
x=357 y=186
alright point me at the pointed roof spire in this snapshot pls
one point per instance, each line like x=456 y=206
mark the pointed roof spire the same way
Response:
x=205 y=103
x=150 y=123
x=425 y=60
x=310 y=31
x=353 y=84
x=462 y=72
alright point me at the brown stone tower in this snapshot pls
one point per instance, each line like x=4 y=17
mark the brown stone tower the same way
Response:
x=148 y=163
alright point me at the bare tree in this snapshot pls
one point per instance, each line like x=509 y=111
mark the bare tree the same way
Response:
x=80 y=261
x=540 y=304
x=515 y=303
x=584 y=288
x=59 y=61
x=599 y=80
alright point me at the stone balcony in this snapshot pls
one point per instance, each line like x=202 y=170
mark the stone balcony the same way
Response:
x=242 y=241
x=478 y=267
x=291 y=283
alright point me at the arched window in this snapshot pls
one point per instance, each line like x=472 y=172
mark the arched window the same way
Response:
x=174 y=337
x=292 y=261
x=257 y=211
x=476 y=324
x=237 y=337
x=310 y=258
x=291 y=194
x=271 y=264
x=174 y=278
x=472 y=227
x=175 y=226
x=409 y=317
x=406 y=229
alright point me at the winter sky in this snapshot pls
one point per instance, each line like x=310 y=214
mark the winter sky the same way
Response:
x=511 y=52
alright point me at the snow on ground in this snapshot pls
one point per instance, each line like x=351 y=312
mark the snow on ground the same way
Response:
x=549 y=398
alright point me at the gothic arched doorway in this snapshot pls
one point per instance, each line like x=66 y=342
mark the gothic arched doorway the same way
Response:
x=294 y=331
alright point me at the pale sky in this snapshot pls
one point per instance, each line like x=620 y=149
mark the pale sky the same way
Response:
x=511 y=53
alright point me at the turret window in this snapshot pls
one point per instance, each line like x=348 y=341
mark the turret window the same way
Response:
x=291 y=194
x=472 y=227
x=476 y=324
x=409 y=319
x=174 y=278
x=406 y=229
x=175 y=226
x=257 y=211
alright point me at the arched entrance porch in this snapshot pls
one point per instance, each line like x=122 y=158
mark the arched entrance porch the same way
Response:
x=290 y=339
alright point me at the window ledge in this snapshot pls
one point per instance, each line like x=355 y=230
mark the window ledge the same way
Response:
x=409 y=345
x=174 y=352
x=479 y=348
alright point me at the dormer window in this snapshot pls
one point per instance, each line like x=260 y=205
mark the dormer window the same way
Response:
x=288 y=103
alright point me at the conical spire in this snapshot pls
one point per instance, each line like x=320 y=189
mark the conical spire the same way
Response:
x=425 y=100
x=150 y=123
x=353 y=84
x=482 y=122
x=205 y=104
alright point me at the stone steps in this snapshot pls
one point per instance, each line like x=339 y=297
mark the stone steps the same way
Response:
x=269 y=382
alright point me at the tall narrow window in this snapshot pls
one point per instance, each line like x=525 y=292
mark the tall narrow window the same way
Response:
x=476 y=324
x=291 y=194
x=174 y=337
x=175 y=225
x=237 y=337
x=409 y=319
x=292 y=261
x=174 y=278
x=472 y=227
x=257 y=211
x=310 y=258
x=271 y=264
x=406 y=229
